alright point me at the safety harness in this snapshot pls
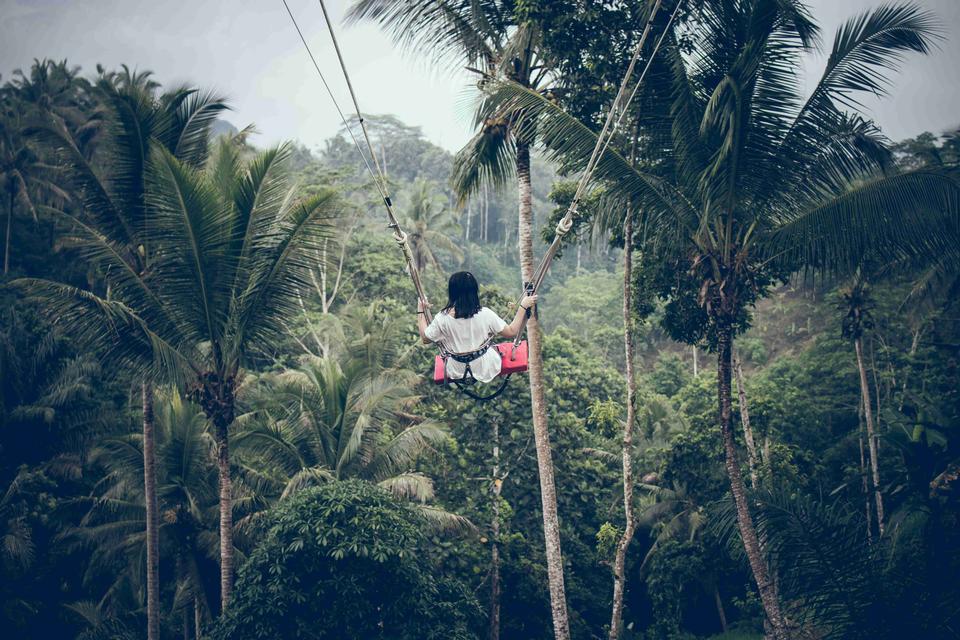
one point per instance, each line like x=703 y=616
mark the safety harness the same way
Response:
x=467 y=380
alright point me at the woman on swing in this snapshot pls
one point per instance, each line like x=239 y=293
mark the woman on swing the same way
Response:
x=464 y=328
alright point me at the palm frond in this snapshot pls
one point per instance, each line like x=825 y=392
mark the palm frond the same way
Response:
x=280 y=264
x=191 y=217
x=306 y=478
x=827 y=568
x=191 y=113
x=109 y=325
x=446 y=522
x=409 y=486
x=570 y=143
x=913 y=215
x=486 y=159
x=453 y=32
x=869 y=46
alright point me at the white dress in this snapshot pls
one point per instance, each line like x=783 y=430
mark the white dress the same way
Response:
x=462 y=335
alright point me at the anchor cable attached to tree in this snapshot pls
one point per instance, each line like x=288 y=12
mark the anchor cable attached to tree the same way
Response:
x=375 y=171
x=614 y=117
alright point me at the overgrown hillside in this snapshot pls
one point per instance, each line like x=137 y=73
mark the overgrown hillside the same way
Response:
x=218 y=418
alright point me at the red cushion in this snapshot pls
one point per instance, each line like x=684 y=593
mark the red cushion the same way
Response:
x=511 y=362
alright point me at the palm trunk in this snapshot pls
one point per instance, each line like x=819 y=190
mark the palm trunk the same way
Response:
x=720 y=612
x=226 y=516
x=620 y=560
x=752 y=459
x=466 y=227
x=864 y=483
x=197 y=618
x=747 y=431
x=915 y=343
x=748 y=532
x=871 y=434
x=495 y=538
x=150 y=498
x=876 y=390
x=485 y=216
x=6 y=242
x=696 y=365
x=548 y=492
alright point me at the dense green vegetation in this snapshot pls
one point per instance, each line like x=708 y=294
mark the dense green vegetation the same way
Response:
x=750 y=399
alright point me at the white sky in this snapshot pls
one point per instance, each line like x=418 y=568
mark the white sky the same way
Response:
x=249 y=51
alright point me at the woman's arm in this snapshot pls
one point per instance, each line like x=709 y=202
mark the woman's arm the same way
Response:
x=511 y=330
x=422 y=322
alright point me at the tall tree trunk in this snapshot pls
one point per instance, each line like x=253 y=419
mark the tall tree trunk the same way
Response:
x=748 y=532
x=620 y=560
x=876 y=390
x=197 y=617
x=466 y=227
x=914 y=344
x=871 y=433
x=6 y=242
x=720 y=612
x=548 y=492
x=696 y=365
x=495 y=537
x=752 y=459
x=485 y=218
x=150 y=498
x=747 y=431
x=226 y=516
x=864 y=483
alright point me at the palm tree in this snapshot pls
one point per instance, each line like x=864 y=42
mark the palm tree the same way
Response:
x=233 y=247
x=429 y=226
x=856 y=302
x=187 y=498
x=338 y=418
x=16 y=162
x=489 y=40
x=832 y=578
x=48 y=89
x=344 y=415
x=754 y=182
x=23 y=174
x=56 y=88
x=114 y=208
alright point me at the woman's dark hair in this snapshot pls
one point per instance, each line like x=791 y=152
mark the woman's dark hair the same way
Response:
x=463 y=295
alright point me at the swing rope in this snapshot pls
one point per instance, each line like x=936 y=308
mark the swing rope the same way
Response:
x=379 y=179
x=618 y=110
x=611 y=124
x=375 y=171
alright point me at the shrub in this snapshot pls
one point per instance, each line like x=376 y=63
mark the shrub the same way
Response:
x=341 y=561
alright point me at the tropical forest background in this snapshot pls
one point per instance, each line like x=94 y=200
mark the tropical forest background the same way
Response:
x=209 y=362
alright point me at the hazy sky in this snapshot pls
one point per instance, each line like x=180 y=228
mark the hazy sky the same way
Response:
x=249 y=51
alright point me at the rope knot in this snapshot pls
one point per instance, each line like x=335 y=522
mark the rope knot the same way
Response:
x=564 y=226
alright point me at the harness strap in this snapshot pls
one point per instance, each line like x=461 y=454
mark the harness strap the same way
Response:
x=465 y=389
x=469 y=356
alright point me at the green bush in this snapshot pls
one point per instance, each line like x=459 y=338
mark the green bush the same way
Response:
x=342 y=561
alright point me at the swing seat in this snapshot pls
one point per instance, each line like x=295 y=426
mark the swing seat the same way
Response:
x=511 y=362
